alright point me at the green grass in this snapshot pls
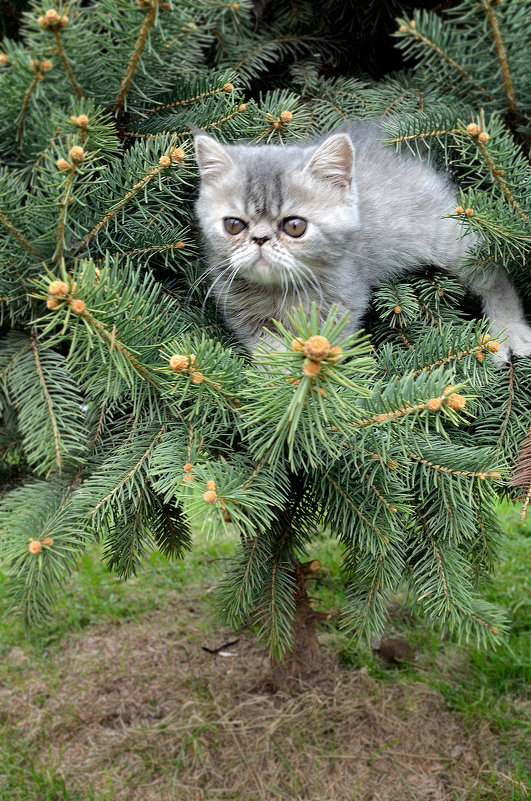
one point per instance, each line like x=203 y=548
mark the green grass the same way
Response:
x=481 y=685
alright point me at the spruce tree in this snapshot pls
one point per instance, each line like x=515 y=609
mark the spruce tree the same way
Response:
x=129 y=413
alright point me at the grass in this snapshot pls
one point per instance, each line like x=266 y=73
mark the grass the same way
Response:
x=94 y=654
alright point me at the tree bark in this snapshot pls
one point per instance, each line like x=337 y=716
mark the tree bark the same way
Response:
x=305 y=663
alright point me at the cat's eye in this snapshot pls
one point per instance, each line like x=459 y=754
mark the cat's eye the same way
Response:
x=234 y=226
x=293 y=226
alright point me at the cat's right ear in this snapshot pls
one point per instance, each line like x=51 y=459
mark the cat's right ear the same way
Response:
x=212 y=158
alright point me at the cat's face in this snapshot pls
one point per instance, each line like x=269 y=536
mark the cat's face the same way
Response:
x=273 y=214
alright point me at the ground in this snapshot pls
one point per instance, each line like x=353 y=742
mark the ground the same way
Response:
x=116 y=699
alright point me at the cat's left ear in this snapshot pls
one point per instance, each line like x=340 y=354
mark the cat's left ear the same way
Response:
x=333 y=161
x=212 y=158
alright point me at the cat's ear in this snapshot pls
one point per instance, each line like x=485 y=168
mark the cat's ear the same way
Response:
x=212 y=158
x=333 y=161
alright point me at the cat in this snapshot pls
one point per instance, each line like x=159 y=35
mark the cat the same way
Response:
x=326 y=222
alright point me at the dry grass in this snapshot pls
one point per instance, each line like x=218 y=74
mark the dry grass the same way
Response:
x=138 y=712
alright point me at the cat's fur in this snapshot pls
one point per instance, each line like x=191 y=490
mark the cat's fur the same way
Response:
x=372 y=215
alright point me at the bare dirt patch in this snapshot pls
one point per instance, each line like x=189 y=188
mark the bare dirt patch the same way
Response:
x=137 y=710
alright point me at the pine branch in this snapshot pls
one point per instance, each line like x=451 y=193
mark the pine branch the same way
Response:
x=49 y=404
x=138 y=49
x=18 y=236
x=500 y=52
x=522 y=472
x=66 y=62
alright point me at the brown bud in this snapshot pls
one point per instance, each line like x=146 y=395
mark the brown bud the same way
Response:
x=483 y=137
x=398 y=309
x=78 y=306
x=35 y=546
x=165 y=161
x=495 y=474
x=459 y=210
x=473 y=129
x=433 y=405
x=83 y=121
x=493 y=346
x=4 y=58
x=188 y=467
x=228 y=87
x=335 y=355
x=74 y=119
x=63 y=22
x=286 y=116
x=52 y=304
x=449 y=389
x=77 y=153
x=211 y=485
x=63 y=164
x=310 y=368
x=48 y=541
x=242 y=107
x=403 y=29
x=456 y=402
x=196 y=377
x=43 y=22
x=469 y=212
x=51 y=16
x=297 y=344
x=235 y=6
x=317 y=347
x=178 y=154
x=46 y=65
x=58 y=289
x=412 y=23
x=179 y=363
x=210 y=496
x=180 y=244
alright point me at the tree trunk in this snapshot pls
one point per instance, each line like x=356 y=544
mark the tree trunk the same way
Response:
x=305 y=664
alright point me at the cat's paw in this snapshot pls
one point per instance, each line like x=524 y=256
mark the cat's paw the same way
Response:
x=517 y=343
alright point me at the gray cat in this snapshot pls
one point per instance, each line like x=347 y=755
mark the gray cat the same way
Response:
x=326 y=222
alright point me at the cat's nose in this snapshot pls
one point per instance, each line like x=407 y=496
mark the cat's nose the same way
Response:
x=260 y=239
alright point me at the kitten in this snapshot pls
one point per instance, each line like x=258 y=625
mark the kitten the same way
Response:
x=326 y=222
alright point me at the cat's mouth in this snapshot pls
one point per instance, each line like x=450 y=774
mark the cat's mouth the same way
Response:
x=261 y=270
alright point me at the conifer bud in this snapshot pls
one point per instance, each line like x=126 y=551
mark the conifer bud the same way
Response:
x=46 y=65
x=211 y=485
x=403 y=29
x=335 y=355
x=63 y=22
x=180 y=244
x=228 y=87
x=48 y=541
x=459 y=210
x=235 y=6
x=297 y=345
x=196 y=377
x=42 y=22
x=495 y=474
x=456 y=402
x=469 y=212
x=188 y=467
x=63 y=164
x=242 y=107
x=4 y=59
x=83 y=121
x=58 y=289
x=483 y=137
x=317 y=347
x=164 y=161
x=210 y=496
x=78 y=306
x=398 y=309
x=310 y=368
x=449 y=389
x=433 y=405
x=77 y=153
x=52 y=304
x=493 y=346
x=51 y=16
x=480 y=356
x=473 y=129
x=35 y=546
x=74 y=119
x=188 y=477
x=179 y=363
x=286 y=116
x=178 y=154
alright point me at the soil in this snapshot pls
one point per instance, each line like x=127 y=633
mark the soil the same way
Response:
x=140 y=711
